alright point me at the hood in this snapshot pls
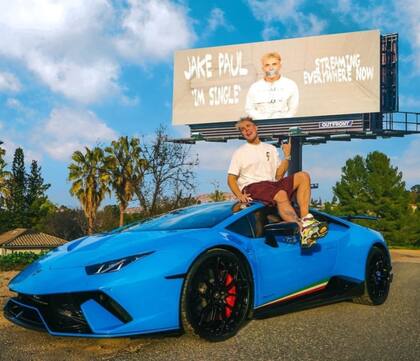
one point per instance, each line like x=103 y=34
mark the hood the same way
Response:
x=63 y=269
x=106 y=247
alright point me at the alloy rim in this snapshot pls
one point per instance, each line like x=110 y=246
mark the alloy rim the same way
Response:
x=219 y=297
x=378 y=280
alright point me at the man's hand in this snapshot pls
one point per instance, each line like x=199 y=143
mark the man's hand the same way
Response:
x=244 y=197
x=287 y=148
x=233 y=185
x=282 y=168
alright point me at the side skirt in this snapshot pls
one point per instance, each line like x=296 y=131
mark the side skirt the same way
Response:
x=337 y=289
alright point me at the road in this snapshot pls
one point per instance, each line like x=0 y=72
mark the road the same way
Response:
x=343 y=331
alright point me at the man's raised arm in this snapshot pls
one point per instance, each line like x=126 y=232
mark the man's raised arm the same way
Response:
x=284 y=164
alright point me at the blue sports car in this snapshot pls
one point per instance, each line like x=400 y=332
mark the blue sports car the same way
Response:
x=204 y=269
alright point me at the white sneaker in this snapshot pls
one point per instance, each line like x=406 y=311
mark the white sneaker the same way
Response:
x=312 y=230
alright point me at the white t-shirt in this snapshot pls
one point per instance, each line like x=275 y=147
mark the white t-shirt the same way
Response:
x=254 y=163
x=269 y=100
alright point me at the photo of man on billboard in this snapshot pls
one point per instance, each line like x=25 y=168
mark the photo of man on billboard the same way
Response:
x=274 y=96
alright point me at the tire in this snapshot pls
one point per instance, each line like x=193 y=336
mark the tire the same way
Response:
x=216 y=296
x=377 y=278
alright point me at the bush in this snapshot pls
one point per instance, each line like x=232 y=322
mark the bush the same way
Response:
x=18 y=260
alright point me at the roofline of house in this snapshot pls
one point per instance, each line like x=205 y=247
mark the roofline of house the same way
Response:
x=28 y=247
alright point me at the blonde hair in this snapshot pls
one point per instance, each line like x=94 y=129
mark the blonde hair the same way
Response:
x=273 y=54
x=244 y=119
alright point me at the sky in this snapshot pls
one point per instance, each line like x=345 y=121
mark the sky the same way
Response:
x=79 y=73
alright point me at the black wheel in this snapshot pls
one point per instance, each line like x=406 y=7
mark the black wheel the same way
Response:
x=377 y=278
x=217 y=295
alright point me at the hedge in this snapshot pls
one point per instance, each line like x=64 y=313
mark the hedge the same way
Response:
x=18 y=260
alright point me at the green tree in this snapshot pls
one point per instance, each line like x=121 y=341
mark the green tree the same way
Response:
x=37 y=200
x=316 y=203
x=217 y=195
x=351 y=190
x=373 y=186
x=415 y=195
x=90 y=181
x=331 y=207
x=22 y=197
x=169 y=203
x=126 y=169
x=36 y=185
x=108 y=218
x=17 y=204
x=64 y=222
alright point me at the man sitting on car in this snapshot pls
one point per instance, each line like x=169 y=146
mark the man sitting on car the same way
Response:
x=256 y=173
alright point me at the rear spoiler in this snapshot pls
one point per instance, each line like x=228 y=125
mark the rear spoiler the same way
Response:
x=359 y=216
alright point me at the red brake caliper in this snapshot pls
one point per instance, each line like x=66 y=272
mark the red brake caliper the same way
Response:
x=231 y=298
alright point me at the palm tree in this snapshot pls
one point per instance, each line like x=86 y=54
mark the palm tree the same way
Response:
x=126 y=169
x=90 y=181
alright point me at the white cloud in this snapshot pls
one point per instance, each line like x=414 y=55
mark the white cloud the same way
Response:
x=270 y=32
x=85 y=83
x=215 y=21
x=153 y=29
x=410 y=17
x=13 y=103
x=10 y=146
x=67 y=130
x=372 y=14
x=31 y=155
x=343 y=5
x=27 y=112
x=62 y=43
x=9 y=82
x=130 y=101
x=274 y=10
x=386 y=16
x=310 y=24
x=288 y=14
x=71 y=45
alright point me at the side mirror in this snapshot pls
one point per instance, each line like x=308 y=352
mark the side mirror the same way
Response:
x=288 y=229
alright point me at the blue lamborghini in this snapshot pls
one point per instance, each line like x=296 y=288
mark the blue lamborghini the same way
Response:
x=204 y=269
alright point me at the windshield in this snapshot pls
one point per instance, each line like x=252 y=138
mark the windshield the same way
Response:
x=200 y=216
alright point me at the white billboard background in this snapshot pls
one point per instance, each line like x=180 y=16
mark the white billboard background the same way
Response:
x=335 y=74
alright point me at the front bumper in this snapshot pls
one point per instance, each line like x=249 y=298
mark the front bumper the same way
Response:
x=74 y=298
x=76 y=314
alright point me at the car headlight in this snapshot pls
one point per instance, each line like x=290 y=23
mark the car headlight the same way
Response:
x=114 y=265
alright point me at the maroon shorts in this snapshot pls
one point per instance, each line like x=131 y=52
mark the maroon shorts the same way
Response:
x=266 y=190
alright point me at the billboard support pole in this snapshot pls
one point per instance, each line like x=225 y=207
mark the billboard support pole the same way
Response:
x=296 y=162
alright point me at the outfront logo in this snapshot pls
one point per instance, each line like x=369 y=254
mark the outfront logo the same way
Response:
x=336 y=124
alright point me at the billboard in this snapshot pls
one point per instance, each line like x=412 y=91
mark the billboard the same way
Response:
x=302 y=77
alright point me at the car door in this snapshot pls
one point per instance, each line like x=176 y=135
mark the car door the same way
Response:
x=289 y=269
